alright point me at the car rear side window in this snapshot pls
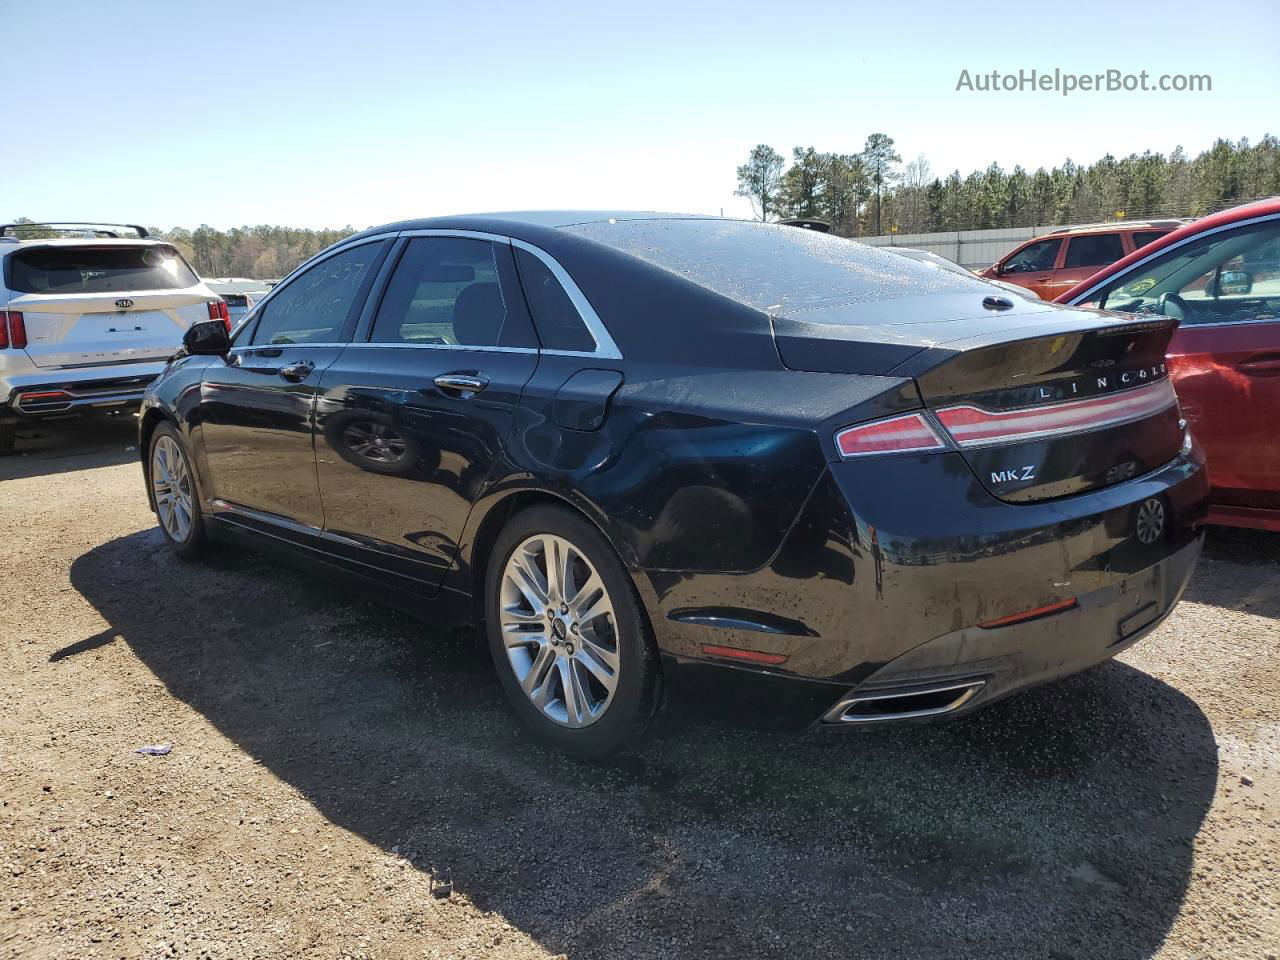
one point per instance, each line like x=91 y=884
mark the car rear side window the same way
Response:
x=560 y=326
x=1142 y=237
x=445 y=290
x=115 y=269
x=317 y=305
x=1094 y=250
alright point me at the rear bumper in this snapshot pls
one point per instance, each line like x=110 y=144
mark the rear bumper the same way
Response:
x=891 y=565
x=976 y=666
x=50 y=393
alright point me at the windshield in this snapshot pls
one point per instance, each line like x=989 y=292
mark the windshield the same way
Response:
x=123 y=269
x=773 y=267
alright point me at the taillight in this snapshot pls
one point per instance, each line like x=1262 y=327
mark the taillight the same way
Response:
x=218 y=311
x=13 y=330
x=906 y=434
x=972 y=426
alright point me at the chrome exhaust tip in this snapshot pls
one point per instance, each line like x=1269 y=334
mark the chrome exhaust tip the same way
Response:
x=912 y=703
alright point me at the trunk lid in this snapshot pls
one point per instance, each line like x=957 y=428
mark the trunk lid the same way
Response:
x=1041 y=402
x=92 y=329
x=96 y=304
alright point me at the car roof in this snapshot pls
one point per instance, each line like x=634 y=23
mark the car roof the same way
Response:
x=1114 y=227
x=1223 y=218
x=515 y=221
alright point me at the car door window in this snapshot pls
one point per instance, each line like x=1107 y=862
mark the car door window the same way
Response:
x=560 y=326
x=1232 y=276
x=444 y=291
x=1094 y=250
x=319 y=305
x=1142 y=237
x=1036 y=256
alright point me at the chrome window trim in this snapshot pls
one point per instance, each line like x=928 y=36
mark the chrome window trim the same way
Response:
x=445 y=346
x=605 y=349
x=283 y=346
x=1169 y=249
x=1225 y=323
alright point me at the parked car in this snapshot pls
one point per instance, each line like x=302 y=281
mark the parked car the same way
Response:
x=1219 y=278
x=1054 y=263
x=942 y=263
x=240 y=294
x=649 y=452
x=89 y=314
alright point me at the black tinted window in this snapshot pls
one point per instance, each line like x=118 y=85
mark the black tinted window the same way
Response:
x=314 y=306
x=99 y=270
x=1142 y=237
x=1035 y=256
x=559 y=324
x=443 y=290
x=1097 y=250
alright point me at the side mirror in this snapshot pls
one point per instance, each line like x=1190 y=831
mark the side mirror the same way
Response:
x=1234 y=281
x=207 y=338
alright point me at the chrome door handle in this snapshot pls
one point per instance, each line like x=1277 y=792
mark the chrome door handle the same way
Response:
x=461 y=385
x=296 y=372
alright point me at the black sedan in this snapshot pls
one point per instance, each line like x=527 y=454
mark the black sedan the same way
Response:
x=646 y=451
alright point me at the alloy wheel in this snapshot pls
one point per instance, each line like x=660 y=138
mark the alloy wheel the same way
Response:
x=373 y=441
x=559 y=630
x=171 y=482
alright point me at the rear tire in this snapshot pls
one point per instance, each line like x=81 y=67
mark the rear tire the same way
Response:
x=174 y=492
x=572 y=646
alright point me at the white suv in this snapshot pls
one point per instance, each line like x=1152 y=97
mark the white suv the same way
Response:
x=88 y=315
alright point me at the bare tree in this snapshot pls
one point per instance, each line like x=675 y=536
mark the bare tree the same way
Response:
x=916 y=177
x=879 y=156
x=760 y=178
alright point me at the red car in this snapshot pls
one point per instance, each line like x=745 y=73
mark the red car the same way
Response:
x=1220 y=277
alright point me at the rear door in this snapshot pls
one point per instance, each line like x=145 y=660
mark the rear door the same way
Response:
x=256 y=406
x=1085 y=255
x=90 y=305
x=413 y=415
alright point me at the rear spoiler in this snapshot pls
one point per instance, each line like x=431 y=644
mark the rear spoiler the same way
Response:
x=36 y=231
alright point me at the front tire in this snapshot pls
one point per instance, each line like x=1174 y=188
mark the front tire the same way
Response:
x=567 y=634
x=173 y=488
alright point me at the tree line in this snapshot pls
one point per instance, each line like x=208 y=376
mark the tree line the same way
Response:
x=262 y=252
x=873 y=192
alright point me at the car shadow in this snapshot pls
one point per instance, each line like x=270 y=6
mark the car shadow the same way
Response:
x=1239 y=570
x=1058 y=823
x=80 y=443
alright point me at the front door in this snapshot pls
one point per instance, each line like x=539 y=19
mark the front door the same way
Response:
x=1224 y=288
x=412 y=417
x=1032 y=266
x=256 y=406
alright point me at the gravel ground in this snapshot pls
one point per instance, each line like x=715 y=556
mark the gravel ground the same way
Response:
x=335 y=763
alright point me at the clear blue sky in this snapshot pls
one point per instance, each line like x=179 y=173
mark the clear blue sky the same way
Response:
x=326 y=113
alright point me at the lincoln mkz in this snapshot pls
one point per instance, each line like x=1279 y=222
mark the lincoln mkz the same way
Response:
x=649 y=451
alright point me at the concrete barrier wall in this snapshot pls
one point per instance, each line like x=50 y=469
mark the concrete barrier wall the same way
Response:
x=974 y=249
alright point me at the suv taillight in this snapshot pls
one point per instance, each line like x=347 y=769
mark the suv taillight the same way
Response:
x=911 y=433
x=218 y=311
x=13 y=330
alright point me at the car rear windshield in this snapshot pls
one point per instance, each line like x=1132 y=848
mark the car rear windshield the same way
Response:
x=123 y=269
x=775 y=268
